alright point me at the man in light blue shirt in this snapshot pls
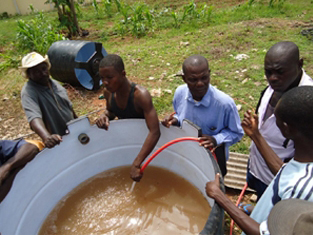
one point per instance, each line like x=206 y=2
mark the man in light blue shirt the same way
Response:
x=209 y=108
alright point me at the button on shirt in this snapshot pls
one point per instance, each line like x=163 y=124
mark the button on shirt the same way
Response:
x=216 y=114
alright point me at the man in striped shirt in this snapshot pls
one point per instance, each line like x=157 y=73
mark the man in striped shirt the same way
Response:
x=294 y=117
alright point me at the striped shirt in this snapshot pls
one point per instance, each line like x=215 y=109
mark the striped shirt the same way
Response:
x=294 y=180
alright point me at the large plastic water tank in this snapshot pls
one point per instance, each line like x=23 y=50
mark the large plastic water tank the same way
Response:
x=76 y=62
x=87 y=151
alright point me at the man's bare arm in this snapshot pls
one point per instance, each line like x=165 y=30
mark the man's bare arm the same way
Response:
x=11 y=167
x=144 y=101
x=247 y=224
x=39 y=127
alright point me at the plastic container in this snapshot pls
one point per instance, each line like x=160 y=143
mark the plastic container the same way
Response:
x=87 y=151
x=76 y=62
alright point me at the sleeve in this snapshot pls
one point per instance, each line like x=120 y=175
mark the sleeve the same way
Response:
x=233 y=131
x=175 y=106
x=263 y=228
x=31 y=107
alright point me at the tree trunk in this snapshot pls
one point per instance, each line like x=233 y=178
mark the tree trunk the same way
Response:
x=74 y=18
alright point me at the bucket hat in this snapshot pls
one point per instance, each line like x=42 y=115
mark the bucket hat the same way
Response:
x=31 y=60
x=291 y=216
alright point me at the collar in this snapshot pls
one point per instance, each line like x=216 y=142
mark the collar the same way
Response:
x=205 y=101
x=41 y=87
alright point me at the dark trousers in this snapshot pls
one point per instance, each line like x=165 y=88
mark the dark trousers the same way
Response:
x=221 y=159
x=255 y=184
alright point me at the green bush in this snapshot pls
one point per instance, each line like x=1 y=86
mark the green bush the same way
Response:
x=137 y=19
x=36 y=34
x=191 y=12
x=108 y=8
x=9 y=61
x=4 y=15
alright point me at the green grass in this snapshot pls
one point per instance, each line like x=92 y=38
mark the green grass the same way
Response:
x=233 y=29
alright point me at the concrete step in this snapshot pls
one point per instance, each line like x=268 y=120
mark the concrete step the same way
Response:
x=235 y=183
x=236 y=170
x=235 y=176
x=238 y=157
x=236 y=165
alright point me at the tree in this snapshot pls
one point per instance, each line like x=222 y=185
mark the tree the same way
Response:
x=67 y=15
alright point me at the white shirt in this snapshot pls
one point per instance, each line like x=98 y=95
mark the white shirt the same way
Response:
x=271 y=133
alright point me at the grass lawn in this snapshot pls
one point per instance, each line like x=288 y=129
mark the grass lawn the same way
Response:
x=226 y=29
x=234 y=27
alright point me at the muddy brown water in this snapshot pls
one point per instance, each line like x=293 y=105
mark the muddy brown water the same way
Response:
x=162 y=203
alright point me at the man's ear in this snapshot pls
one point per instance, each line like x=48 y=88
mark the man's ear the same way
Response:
x=124 y=73
x=288 y=131
x=184 y=78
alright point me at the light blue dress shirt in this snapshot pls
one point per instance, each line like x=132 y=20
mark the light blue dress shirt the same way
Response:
x=216 y=114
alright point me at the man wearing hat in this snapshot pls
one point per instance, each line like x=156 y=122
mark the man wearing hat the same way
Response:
x=44 y=100
x=301 y=222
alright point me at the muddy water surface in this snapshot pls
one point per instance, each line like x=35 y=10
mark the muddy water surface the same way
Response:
x=162 y=203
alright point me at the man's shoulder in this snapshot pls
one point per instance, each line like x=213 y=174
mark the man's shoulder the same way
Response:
x=181 y=89
x=58 y=85
x=141 y=91
x=221 y=96
x=292 y=171
x=28 y=89
x=141 y=95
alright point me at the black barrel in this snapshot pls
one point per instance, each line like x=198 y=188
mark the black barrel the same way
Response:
x=76 y=62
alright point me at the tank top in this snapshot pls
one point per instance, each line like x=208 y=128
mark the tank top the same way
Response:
x=129 y=111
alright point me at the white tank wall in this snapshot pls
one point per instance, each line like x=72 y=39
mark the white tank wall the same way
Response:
x=55 y=172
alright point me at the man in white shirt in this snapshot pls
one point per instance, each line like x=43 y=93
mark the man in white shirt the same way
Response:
x=294 y=118
x=270 y=149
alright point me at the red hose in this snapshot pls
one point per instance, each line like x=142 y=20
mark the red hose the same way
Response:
x=237 y=203
x=195 y=139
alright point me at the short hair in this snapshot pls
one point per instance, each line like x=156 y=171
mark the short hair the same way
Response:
x=194 y=60
x=112 y=60
x=296 y=109
x=285 y=49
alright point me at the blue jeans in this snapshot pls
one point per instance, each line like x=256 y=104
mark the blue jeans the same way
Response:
x=8 y=148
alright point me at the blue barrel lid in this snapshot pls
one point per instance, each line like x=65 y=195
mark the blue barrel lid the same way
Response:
x=87 y=65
